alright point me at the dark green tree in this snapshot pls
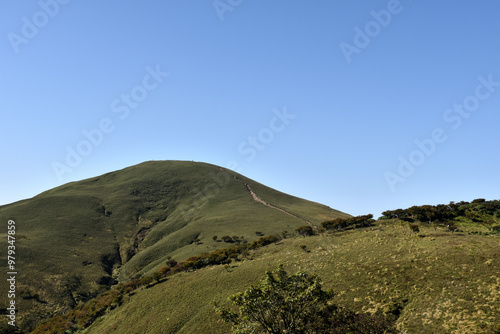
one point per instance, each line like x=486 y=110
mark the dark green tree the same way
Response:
x=282 y=303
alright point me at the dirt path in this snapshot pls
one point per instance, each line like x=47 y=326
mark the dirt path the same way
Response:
x=260 y=200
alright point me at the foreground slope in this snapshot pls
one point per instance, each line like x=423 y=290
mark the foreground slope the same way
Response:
x=76 y=240
x=436 y=282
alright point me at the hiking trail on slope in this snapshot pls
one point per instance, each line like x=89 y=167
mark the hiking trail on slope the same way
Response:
x=260 y=200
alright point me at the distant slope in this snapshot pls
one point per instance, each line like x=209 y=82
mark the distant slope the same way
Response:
x=76 y=239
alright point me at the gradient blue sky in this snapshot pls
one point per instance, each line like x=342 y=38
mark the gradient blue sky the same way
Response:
x=231 y=71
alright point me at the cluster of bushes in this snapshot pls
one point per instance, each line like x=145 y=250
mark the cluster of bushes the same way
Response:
x=221 y=256
x=342 y=223
x=480 y=211
x=335 y=224
x=264 y=241
x=234 y=239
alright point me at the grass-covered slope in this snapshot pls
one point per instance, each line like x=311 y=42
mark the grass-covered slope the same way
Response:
x=436 y=281
x=72 y=241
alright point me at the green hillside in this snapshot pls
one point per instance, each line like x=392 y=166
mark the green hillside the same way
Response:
x=435 y=281
x=76 y=240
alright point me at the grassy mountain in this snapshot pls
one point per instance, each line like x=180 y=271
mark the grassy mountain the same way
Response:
x=76 y=240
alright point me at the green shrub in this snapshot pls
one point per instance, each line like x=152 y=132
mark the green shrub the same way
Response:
x=264 y=241
x=414 y=228
x=282 y=303
x=305 y=230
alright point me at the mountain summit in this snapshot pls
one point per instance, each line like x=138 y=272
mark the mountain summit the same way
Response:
x=77 y=239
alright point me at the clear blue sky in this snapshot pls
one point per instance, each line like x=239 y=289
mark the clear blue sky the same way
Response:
x=355 y=83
